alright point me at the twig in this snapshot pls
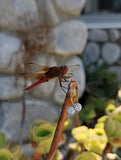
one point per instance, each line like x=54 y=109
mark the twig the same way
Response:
x=22 y=118
x=70 y=96
x=77 y=120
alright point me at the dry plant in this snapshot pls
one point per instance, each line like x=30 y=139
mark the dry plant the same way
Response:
x=71 y=98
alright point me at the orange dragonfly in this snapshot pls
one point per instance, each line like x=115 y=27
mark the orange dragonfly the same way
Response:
x=45 y=74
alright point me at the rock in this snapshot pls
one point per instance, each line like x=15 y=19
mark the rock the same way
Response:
x=114 y=34
x=56 y=12
x=71 y=7
x=116 y=69
x=111 y=52
x=18 y=15
x=50 y=12
x=91 y=68
x=70 y=38
x=35 y=110
x=79 y=75
x=98 y=35
x=100 y=62
x=45 y=89
x=91 y=53
x=9 y=45
x=28 y=150
x=9 y=89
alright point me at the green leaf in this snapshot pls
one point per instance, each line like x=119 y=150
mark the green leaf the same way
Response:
x=86 y=114
x=88 y=156
x=5 y=155
x=2 y=140
x=41 y=135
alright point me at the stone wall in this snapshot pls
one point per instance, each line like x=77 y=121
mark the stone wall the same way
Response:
x=104 y=47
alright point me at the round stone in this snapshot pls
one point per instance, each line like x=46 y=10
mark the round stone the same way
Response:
x=98 y=35
x=10 y=91
x=91 y=53
x=70 y=6
x=114 y=34
x=9 y=47
x=111 y=52
x=69 y=38
x=18 y=15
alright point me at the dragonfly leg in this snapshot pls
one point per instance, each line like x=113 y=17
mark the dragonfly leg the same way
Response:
x=60 y=82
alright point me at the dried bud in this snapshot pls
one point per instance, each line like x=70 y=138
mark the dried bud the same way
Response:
x=78 y=107
x=70 y=110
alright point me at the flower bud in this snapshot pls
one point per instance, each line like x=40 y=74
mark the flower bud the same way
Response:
x=41 y=135
x=97 y=140
x=80 y=133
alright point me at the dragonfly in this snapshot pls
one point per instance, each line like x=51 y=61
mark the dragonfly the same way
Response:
x=44 y=74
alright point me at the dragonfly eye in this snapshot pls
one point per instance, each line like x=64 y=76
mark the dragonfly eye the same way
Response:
x=64 y=69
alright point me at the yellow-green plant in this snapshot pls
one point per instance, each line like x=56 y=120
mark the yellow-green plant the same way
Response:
x=88 y=156
x=92 y=139
x=41 y=135
x=113 y=127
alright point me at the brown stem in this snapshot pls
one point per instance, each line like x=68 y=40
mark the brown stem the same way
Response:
x=107 y=149
x=69 y=155
x=77 y=120
x=69 y=96
x=22 y=118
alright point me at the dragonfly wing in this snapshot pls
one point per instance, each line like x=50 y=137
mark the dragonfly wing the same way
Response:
x=73 y=68
x=33 y=76
x=33 y=67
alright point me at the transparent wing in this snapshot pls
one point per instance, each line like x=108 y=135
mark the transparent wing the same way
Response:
x=73 y=68
x=33 y=76
x=33 y=67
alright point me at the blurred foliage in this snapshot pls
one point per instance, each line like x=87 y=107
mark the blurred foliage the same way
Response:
x=102 y=90
x=7 y=152
x=87 y=114
x=102 y=83
x=88 y=156
x=93 y=140
x=113 y=127
x=67 y=123
x=94 y=107
x=2 y=140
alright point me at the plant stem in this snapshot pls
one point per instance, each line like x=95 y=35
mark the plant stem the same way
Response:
x=69 y=96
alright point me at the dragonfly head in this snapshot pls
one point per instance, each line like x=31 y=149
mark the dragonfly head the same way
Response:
x=64 y=69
